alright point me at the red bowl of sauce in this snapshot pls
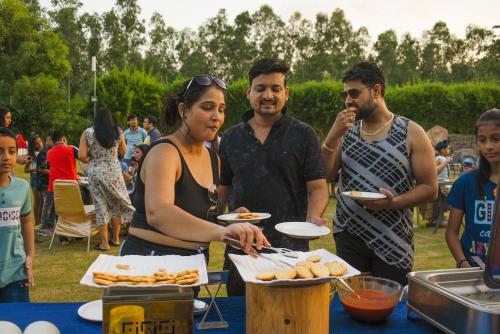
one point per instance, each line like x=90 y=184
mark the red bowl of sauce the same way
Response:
x=376 y=297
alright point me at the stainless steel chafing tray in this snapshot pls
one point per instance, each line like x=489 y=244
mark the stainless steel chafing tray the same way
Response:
x=455 y=300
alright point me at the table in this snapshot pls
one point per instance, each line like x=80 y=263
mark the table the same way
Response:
x=65 y=317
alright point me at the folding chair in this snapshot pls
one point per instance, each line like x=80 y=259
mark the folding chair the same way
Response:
x=74 y=218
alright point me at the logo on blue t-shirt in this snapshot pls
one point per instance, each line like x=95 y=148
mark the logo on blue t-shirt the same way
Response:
x=483 y=212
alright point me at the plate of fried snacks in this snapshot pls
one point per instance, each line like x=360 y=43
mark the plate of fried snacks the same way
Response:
x=316 y=266
x=363 y=195
x=244 y=217
x=146 y=271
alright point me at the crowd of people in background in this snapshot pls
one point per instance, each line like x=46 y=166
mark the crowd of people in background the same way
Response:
x=169 y=189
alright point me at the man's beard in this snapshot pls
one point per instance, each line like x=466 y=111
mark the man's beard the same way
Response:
x=365 y=111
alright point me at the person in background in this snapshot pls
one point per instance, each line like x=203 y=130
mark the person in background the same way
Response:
x=35 y=146
x=61 y=159
x=443 y=159
x=149 y=125
x=130 y=171
x=17 y=239
x=100 y=146
x=371 y=149
x=271 y=162
x=473 y=196
x=48 y=216
x=6 y=121
x=134 y=135
x=468 y=165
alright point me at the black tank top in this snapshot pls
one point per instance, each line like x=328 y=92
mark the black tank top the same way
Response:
x=189 y=195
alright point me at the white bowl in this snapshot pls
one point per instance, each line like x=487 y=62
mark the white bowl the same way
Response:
x=41 y=327
x=7 y=327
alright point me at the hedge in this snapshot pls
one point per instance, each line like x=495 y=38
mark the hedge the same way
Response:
x=454 y=106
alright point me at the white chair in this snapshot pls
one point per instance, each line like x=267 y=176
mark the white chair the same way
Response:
x=74 y=218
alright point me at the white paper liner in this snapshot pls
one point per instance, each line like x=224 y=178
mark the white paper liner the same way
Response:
x=248 y=267
x=146 y=265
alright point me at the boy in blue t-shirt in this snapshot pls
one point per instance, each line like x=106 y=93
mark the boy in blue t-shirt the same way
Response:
x=17 y=238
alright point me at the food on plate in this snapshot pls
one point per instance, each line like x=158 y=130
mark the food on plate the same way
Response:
x=185 y=277
x=356 y=193
x=285 y=273
x=161 y=270
x=123 y=266
x=247 y=215
x=314 y=258
x=306 y=264
x=336 y=268
x=101 y=281
x=303 y=272
x=320 y=270
x=265 y=276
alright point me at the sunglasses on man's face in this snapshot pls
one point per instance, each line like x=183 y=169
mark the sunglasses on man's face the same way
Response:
x=202 y=80
x=353 y=93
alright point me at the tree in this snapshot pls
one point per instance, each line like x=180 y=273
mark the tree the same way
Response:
x=408 y=59
x=160 y=57
x=28 y=46
x=386 y=48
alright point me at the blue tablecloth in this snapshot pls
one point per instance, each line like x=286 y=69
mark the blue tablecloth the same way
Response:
x=65 y=317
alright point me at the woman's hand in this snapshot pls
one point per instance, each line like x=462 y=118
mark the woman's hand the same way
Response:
x=29 y=270
x=247 y=234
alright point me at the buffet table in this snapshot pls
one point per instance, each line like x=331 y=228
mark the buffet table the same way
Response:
x=65 y=317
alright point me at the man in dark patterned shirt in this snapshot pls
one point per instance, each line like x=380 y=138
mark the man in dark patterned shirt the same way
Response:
x=272 y=162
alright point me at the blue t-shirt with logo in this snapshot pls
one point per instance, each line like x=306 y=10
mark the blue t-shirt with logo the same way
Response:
x=15 y=202
x=478 y=211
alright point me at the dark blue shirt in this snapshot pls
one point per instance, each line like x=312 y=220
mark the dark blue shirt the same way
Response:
x=478 y=211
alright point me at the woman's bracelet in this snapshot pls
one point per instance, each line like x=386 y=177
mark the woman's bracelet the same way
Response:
x=328 y=148
x=459 y=264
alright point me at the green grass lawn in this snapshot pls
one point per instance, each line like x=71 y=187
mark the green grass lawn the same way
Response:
x=58 y=272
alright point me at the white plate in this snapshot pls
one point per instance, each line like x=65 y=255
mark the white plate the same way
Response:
x=145 y=265
x=364 y=195
x=233 y=217
x=199 y=306
x=91 y=311
x=302 y=230
x=248 y=267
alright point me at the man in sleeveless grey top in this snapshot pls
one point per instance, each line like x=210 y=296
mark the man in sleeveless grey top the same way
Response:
x=370 y=149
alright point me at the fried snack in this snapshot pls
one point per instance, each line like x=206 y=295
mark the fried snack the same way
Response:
x=320 y=270
x=123 y=266
x=305 y=264
x=303 y=272
x=101 y=281
x=187 y=271
x=186 y=281
x=107 y=278
x=247 y=215
x=314 y=258
x=265 y=276
x=336 y=268
x=95 y=273
x=356 y=193
x=161 y=270
x=189 y=276
x=285 y=273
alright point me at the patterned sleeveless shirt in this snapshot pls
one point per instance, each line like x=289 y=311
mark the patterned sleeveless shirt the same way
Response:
x=368 y=166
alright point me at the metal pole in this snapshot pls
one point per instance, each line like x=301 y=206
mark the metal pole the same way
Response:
x=94 y=70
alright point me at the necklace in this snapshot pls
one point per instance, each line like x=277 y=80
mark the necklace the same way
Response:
x=372 y=134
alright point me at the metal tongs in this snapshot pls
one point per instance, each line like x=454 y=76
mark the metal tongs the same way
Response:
x=235 y=243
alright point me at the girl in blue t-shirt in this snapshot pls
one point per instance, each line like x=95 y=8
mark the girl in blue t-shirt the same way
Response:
x=473 y=196
x=17 y=238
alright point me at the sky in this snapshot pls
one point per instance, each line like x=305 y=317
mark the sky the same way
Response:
x=413 y=16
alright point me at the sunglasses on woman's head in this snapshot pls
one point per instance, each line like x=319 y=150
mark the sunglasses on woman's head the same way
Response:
x=203 y=80
x=353 y=93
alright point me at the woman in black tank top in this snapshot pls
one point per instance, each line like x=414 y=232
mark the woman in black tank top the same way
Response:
x=175 y=192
